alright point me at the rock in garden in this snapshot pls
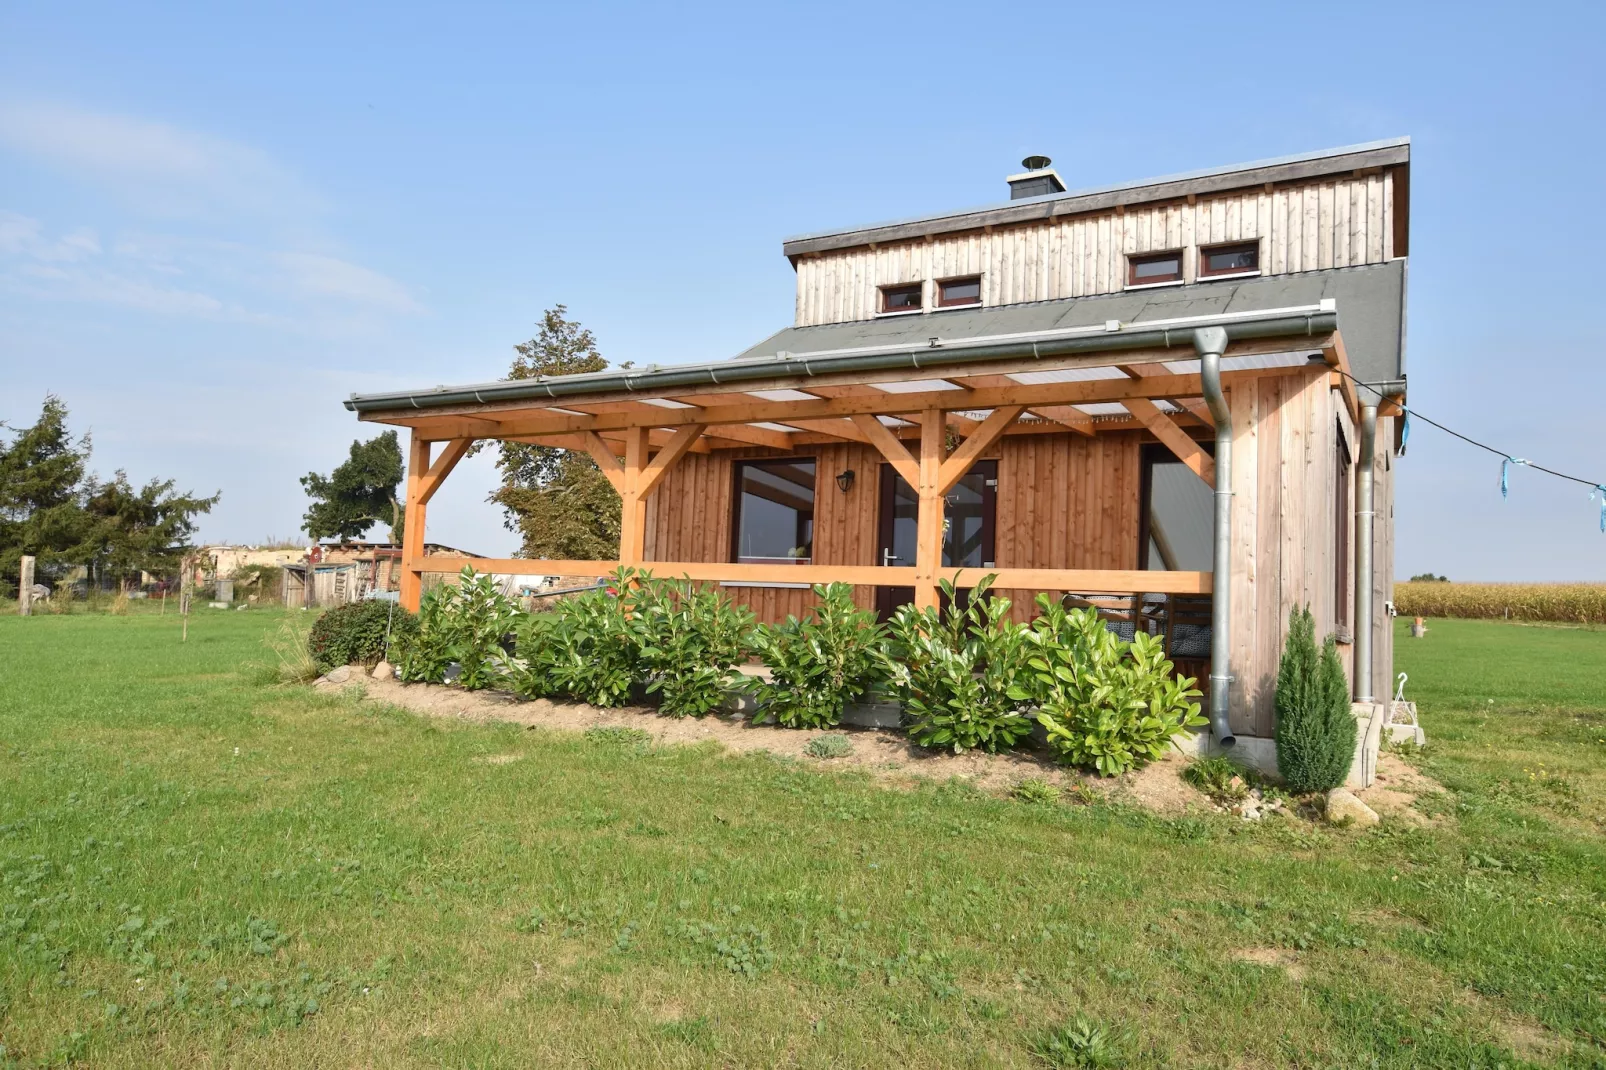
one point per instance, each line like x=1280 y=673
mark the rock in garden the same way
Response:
x=383 y=671
x=340 y=675
x=1343 y=806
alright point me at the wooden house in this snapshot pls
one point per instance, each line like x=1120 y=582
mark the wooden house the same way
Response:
x=1143 y=396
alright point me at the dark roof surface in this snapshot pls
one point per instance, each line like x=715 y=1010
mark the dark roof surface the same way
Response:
x=1371 y=303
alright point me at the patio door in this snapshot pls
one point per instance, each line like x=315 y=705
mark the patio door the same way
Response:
x=968 y=527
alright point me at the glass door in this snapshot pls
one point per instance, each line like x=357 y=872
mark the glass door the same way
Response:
x=969 y=517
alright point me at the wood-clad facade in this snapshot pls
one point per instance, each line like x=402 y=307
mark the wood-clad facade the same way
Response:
x=1311 y=226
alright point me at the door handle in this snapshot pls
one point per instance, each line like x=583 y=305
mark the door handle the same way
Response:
x=888 y=557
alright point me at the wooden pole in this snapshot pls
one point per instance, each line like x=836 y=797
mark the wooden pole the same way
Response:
x=412 y=577
x=25 y=588
x=633 y=505
x=928 y=527
x=184 y=586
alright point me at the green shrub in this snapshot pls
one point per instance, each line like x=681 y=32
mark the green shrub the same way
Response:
x=463 y=622
x=1107 y=705
x=583 y=649
x=1315 y=728
x=829 y=745
x=358 y=633
x=688 y=639
x=954 y=671
x=820 y=664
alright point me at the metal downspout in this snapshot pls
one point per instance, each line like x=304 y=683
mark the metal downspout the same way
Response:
x=1364 y=515
x=1211 y=342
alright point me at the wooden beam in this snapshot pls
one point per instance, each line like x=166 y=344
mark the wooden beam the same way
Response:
x=654 y=473
x=1198 y=407
x=1082 y=581
x=1066 y=416
x=928 y=520
x=412 y=579
x=1338 y=357
x=456 y=449
x=606 y=460
x=1175 y=438
x=1030 y=395
x=954 y=468
x=633 y=506
x=879 y=436
x=843 y=429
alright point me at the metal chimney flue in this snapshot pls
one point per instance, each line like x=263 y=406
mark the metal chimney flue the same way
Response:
x=1038 y=180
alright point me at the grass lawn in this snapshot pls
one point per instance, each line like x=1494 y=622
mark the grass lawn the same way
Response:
x=199 y=868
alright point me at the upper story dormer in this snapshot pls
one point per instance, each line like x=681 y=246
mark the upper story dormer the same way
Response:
x=1339 y=208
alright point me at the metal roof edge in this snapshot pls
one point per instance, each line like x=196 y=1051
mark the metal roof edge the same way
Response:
x=1112 y=335
x=1387 y=151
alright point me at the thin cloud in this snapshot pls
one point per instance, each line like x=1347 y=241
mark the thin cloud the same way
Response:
x=330 y=277
x=162 y=169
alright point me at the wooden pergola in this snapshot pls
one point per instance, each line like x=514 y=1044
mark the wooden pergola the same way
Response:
x=931 y=424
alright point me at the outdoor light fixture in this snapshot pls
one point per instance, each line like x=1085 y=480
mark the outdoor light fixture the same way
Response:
x=844 y=480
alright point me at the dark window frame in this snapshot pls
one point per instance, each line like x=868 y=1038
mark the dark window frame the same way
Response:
x=919 y=289
x=1149 y=455
x=1134 y=259
x=736 y=504
x=942 y=287
x=1227 y=247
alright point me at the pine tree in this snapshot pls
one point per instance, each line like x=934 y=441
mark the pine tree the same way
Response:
x=1315 y=729
x=358 y=494
x=41 y=510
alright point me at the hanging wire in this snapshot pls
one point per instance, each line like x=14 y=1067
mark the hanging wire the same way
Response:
x=1506 y=459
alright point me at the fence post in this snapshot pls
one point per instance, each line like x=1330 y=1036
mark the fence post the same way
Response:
x=25 y=588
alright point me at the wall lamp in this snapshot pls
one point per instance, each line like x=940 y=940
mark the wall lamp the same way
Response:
x=844 y=480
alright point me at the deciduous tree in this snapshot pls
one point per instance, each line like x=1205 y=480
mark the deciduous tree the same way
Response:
x=557 y=499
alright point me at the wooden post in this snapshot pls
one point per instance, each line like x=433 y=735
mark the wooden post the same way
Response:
x=928 y=528
x=633 y=504
x=25 y=588
x=412 y=577
x=184 y=583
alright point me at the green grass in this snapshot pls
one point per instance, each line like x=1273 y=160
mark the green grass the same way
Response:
x=197 y=868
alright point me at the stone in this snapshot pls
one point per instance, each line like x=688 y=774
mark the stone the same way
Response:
x=383 y=671
x=340 y=675
x=1343 y=807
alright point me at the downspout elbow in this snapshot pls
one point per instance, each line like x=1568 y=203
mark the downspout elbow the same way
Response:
x=1211 y=342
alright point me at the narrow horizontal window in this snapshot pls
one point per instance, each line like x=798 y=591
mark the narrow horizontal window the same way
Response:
x=951 y=292
x=901 y=298
x=1229 y=259
x=775 y=512
x=1155 y=267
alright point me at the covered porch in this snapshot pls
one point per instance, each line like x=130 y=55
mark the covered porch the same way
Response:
x=1064 y=405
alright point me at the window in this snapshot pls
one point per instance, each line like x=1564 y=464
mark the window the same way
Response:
x=1341 y=540
x=775 y=512
x=1229 y=260
x=1153 y=268
x=1178 y=521
x=953 y=292
x=902 y=298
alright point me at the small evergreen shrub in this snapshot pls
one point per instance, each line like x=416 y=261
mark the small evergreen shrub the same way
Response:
x=583 y=649
x=465 y=622
x=820 y=664
x=356 y=633
x=954 y=671
x=1315 y=729
x=1107 y=705
x=829 y=745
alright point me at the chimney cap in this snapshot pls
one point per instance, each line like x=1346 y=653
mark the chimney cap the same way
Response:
x=1038 y=180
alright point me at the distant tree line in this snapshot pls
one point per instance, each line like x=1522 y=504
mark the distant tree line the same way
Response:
x=54 y=509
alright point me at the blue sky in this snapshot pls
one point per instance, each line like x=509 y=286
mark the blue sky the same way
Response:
x=214 y=225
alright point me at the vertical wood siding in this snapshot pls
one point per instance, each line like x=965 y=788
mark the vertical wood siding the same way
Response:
x=1341 y=222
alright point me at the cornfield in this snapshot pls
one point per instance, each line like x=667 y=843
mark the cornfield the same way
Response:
x=1577 y=603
